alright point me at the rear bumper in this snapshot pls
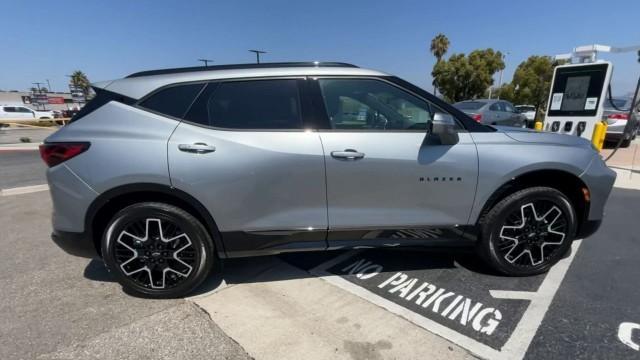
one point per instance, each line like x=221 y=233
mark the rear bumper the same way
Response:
x=73 y=243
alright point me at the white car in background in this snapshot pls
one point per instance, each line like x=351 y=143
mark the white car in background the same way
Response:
x=529 y=112
x=19 y=112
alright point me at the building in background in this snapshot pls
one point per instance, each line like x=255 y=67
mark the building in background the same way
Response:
x=54 y=100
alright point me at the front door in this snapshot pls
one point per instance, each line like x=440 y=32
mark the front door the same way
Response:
x=243 y=152
x=385 y=179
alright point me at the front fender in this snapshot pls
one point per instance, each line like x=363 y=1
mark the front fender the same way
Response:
x=501 y=159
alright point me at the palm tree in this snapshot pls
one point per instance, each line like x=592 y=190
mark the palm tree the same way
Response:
x=439 y=47
x=79 y=79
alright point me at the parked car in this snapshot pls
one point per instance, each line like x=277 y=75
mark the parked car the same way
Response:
x=166 y=172
x=617 y=119
x=492 y=112
x=19 y=112
x=529 y=112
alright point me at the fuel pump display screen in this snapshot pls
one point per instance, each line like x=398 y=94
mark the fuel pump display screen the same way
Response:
x=575 y=93
x=577 y=90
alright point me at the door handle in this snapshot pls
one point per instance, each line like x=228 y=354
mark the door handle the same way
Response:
x=348 y=154
x=197 y=148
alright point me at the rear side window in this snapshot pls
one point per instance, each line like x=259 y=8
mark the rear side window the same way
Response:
x=256 y=104
x=102 y=97
x=173 y=101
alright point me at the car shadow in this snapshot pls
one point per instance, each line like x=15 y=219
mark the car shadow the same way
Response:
x=270 y=268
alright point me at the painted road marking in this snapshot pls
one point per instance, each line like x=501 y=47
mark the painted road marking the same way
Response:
x=453 y=302
x=625 y=334
x=23 y=190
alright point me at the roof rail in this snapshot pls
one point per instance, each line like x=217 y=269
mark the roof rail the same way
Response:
x=240 y=66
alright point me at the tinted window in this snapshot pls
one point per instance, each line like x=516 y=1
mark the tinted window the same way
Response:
x=9 y=109
x=619 y=103
x=508 y=107
x=23 y=110
x=259 y=104
x=469 y=105
x=174 y=100
x=496 y=107
x=364 y=104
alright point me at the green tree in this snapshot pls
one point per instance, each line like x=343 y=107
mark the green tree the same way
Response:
x=531 y=82
x=439 y=47
x=467 y=77
x=79 y=79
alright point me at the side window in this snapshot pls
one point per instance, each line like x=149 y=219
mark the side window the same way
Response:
x=254 y=104
x=9 y=109
x=509 y=108
x=367 y=104
x=23 y=110
x=174 y=100
x=495 y=107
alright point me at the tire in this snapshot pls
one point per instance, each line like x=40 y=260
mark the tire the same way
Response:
x=178 y=257
x=625 y=143
x=521 y=248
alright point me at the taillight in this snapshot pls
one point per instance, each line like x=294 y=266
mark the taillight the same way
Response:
x=618 y=117
x=55 y=153
x=477 y=117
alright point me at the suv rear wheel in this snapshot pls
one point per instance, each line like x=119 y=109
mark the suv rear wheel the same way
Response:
x=157 y=250
x=528 y=231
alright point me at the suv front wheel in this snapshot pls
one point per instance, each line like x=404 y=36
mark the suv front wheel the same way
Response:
x=157 y=250
x=528 y=231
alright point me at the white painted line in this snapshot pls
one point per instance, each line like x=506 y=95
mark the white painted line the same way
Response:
x=515 y=347
x=508 y=294
x=20 y=148
x=24 y=190
x=625 y=334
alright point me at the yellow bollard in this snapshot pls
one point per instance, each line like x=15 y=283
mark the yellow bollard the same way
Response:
x=599 y=132
x=538 y=126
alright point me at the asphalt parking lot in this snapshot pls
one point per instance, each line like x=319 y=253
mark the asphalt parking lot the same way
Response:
x=364 y=304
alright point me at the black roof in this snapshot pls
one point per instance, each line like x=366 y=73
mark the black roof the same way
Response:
x=240 y=66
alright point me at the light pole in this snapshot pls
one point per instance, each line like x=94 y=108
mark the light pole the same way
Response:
x=37 y=84
x=49 y=86
x=206 y=62
x=504 y=56
x=258 y=52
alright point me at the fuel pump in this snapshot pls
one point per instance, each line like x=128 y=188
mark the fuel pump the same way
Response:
x=579 y=92
x=577 y=96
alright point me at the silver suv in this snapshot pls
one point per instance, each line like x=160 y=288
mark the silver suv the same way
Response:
x=165 y=172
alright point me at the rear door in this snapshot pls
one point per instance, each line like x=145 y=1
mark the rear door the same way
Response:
x=244 y=153
x=515 y=118
x=498 y=115
x=386 y=182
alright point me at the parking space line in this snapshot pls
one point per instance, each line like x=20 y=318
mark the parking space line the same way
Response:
x=24 y=190
x=509 y=294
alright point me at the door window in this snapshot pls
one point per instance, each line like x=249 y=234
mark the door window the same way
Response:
x=367 y=104
x=496 y=107
x=9 y=109
x=509 y=108
x=256 y=104
x=23 y=110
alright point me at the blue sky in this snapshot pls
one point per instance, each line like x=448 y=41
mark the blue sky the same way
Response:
x=110 y=39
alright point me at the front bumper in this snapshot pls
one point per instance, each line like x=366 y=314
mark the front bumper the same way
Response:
x=77 y=244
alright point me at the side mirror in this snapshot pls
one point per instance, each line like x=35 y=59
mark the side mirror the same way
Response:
x=445 y=128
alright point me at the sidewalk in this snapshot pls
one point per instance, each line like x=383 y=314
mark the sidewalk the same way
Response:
x=625 y=162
